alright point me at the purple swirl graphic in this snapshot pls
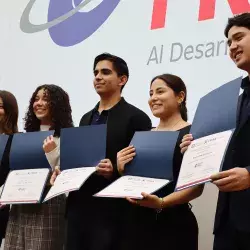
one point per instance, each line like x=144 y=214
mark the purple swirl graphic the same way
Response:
x=79 y=26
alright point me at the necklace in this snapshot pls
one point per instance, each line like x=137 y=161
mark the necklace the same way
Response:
x=157 y=128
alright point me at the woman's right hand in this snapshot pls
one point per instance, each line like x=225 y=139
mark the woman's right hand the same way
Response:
x=185 y=142
x=49 y=144
x=56 y=172
x=125 y=156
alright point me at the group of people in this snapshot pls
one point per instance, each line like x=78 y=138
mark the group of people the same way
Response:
x=163 y=220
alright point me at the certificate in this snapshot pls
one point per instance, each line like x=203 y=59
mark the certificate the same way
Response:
x=24 y=186
x=217 y=110
x=203 y=158
x=150 y=170
x=132 y=187
x=27 y=152
x=69 y=180
x=81 y=151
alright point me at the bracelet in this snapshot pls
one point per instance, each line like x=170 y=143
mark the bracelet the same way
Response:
x=161 y=208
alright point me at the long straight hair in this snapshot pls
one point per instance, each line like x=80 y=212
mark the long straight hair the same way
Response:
x=9 y=122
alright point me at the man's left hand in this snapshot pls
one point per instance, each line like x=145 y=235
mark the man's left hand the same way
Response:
x=235 y=179
x=105 y=168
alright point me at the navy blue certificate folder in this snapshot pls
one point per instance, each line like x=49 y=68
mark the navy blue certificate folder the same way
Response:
x=83 y=147
x=3 y=143
x=217 y=110
x=154 y=154
x=27 y=151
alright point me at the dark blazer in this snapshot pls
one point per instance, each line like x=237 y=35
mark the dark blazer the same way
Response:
x=123 y=120
x=4 y=170
x=234 y=207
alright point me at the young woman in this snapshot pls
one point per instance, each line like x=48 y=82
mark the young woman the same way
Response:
x=163 y=220
x=8 y=126
x=41 y=226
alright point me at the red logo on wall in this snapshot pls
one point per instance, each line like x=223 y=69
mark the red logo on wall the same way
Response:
x=206 y=10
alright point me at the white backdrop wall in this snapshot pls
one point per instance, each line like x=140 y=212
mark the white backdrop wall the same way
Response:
x=195 y=50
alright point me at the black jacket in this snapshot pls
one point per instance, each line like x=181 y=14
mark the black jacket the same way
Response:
x=4 y=171
x=234 y=207
x=123 y=120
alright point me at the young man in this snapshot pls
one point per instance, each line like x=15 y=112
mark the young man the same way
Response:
x=232 y=221
x=96 y=223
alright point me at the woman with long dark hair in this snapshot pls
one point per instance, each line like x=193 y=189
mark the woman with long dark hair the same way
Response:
x=41 y=226
x=8 y=126
x=163 y=220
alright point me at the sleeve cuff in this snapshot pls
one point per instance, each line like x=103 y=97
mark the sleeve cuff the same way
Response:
x=248 y=169
x=53 y=157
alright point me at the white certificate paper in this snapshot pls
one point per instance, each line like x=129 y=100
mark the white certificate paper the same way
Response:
x=69 y=180
x=132 y=187
x=203 y=158
x=24 y=186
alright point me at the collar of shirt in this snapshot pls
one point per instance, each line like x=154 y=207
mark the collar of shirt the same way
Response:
x=108 y=110
x=245 y=85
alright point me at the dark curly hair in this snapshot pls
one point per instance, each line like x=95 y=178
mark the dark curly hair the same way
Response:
x=60 y=110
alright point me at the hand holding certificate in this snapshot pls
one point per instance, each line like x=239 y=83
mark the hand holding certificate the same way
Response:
x=69 y=180
x=81 y=150
x=29 y=169
x=205 y=155
x=203 y=159
x=150 y=170
x=132 y=187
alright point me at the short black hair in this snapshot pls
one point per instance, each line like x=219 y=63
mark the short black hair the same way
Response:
x=242 y=20
x=119 y=65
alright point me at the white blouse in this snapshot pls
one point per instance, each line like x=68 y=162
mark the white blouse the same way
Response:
x=53 y=156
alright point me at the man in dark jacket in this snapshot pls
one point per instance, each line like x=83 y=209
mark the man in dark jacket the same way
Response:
x=96 y=223
x=232 y=221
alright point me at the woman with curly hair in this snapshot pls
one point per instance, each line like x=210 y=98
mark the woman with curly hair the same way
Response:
x=41 y=226
x=8 y=126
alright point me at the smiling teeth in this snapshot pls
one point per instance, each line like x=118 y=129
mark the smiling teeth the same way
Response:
x=238 y=54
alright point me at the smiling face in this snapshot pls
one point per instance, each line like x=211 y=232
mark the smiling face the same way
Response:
x=106 y=79
x=239 y=45
x=163 y=101
x=41 y=106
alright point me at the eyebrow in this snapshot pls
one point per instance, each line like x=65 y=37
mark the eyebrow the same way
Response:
x=159 y=88
x=44 y=95
x=104 y=69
